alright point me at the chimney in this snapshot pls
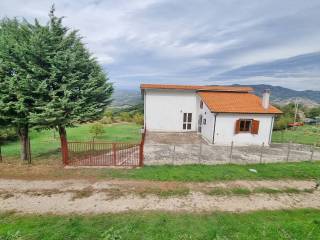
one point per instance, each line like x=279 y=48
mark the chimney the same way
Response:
x=266 y=98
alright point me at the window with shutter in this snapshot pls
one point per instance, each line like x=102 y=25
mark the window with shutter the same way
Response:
x=255 y=127
x=237 y=128
x=244 y=125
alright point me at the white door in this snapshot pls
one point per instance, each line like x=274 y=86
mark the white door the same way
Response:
x=187 y=120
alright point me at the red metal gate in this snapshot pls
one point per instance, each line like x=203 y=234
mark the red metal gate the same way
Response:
x=105 y=154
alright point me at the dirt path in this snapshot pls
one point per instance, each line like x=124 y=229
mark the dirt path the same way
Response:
x=80 y=196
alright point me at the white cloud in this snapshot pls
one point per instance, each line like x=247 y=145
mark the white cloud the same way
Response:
x=184 y=39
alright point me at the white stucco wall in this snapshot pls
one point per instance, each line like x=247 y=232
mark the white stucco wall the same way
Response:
x=164 y=109
x=207 y=129
x=225 y=130
x=164 y=113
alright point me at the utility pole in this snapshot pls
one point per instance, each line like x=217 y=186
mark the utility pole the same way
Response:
x=296 y=106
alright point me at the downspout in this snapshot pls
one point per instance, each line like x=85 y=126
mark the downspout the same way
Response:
x=271 y=130
x=144 y=110
x=214 y=126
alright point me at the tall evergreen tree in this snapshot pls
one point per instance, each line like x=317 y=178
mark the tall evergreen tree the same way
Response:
x=73 y=89
x=17 y=87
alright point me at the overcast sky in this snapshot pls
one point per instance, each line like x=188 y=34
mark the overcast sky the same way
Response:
x=194 y=42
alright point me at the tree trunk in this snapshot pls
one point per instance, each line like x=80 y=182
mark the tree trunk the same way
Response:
x=64 y=144
x=23 y=133
x=0 y=153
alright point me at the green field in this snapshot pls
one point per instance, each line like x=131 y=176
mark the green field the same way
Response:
x=295 y=224
x=46 y=143
x=185 y=173
x=202 y=173
x=304 y=135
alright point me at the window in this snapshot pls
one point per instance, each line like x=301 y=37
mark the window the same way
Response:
x=187 y=119
x=204 y=121
x=245 y=125
x=201 y=104
x=199 y=123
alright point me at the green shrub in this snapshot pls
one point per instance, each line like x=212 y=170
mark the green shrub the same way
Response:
x=106 y=120
x=125 y=117
x=11 y=236
x=282 y=122
x=111 y=234
x=7 y=134
x=96 y=129
x=138 y=118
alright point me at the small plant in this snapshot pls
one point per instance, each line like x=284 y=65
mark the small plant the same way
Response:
x=111 y=234
x=185 y=237
x=125 y=117
x=106 y=120
x=138 y=118
x=11 y=236
x=5 y=135
x=96 y=129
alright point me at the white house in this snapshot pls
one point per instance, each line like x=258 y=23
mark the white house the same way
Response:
x=221 y=114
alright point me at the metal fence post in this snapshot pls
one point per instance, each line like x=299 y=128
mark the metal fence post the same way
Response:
x=261 y=152
x=288 y=153
x=173 y=154
x=114 y=155
x=231 y=149
x=141 y=154
x=312 y=151
x=200 y=151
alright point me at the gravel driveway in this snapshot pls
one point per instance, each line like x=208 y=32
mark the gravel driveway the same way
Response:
x=77 y=196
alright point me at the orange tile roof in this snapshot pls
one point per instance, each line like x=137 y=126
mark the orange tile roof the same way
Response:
x=197 y=88
x=235 y=102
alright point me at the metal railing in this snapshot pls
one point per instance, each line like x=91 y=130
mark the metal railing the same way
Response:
x=105 y=154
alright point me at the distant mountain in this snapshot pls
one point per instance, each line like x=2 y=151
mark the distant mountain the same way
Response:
x=282 y=96
x=279 y=95
x=126 y=97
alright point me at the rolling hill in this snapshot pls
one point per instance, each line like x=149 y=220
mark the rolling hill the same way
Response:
x=279 y=95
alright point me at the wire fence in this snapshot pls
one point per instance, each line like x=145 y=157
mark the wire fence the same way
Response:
x=200 y=153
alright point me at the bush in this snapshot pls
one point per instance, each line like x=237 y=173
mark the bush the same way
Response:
x=109 y=114
x=7 y=134
x=313 y=112
x=96 y=129
x=106 y=120
x=124 y=114
x=125 y=117
x=138 y=118
x=282 y=122
x=112 y=234
x=11 y=236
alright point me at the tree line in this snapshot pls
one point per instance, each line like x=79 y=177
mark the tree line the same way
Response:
x=288 y=115
x=48 y=80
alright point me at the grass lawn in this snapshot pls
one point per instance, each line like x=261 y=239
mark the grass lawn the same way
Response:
x=304 y=135
x=46 y=143
x=296 y=224
x=186 y=173
x=202 y=173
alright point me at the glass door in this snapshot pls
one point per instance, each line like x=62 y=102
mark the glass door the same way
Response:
x=187 y=119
